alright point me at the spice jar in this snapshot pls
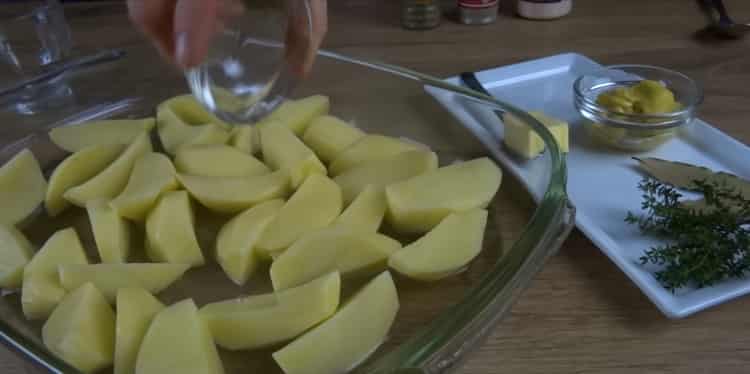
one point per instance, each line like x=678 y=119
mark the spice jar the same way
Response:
x=477 y=12
x=544 y=9
x=420 y=14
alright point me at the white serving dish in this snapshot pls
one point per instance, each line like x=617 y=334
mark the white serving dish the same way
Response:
x=602 y=183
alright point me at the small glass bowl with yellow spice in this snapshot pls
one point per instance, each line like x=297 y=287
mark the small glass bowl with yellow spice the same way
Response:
x=636 y=108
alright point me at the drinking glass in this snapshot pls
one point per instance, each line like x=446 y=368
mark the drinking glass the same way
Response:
x=249 y=68
x=34 y=36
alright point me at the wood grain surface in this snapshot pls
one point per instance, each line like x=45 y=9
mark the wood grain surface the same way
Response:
x=580 y=314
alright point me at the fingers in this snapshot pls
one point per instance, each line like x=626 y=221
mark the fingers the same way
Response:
x=154 y=18
x=195 y=22
x=304 y=36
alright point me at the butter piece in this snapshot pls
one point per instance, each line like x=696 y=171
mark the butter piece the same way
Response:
x=522 y=140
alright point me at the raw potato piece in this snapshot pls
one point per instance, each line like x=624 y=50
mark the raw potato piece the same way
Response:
x=346 y=339
x=170 y=231
x=178 y=341
x=22 y=187
x=110 y=132
x=109 y=278
x=153 y=174
x=76 y=169
x=135 y=310
x=111 y=232
x=445 y=250
x=282 y=150
x=81 y=330
x=381 y=173
x=235 y=194
x=313 y=206
x=42 y=290
x=174 y=133
x=235 y=244
x=191 y=112
x=328 y=136
x=418 y=204
x=522 y=140
x=246 y=139
x=366 y=212
x=255 y=324
x=369 y=148
x=111 y=181
x=297 y=114
x=217 y=160
x=15 y=252
x=334 y=248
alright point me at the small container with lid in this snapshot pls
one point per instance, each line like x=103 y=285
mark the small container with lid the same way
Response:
x=477 y=12
x=420 y=14
x=544 y=9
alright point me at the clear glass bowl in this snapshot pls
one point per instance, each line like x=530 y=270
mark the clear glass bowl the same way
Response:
x=634 y=132
x=438 y=323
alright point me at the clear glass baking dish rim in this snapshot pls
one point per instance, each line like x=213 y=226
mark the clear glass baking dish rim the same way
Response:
x=444 y=343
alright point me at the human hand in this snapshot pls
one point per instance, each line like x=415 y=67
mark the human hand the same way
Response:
x=182 y=29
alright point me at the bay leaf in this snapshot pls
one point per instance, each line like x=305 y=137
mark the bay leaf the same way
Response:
x=683 y=175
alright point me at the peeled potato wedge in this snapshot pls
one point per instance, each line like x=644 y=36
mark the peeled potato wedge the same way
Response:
x=81 y=330
x=15 y=253
x=217 y=160
x=152 y=175
x=380 y=173
x=347 y=338
x=235 y=194
x=445 y=250
x=297 y=114
x=112 y=180
x=109 y=278
x=313 y=206
x=328 y=136
x=282 y=150
x=170 y=231
x=42 y=290
x=191 y=112
x=235 y=244
x=369 y=148
x=136 y=308
x=111 y=232
x=336 y=248
x=255 y=324
x=77 y=137
x=418 y=204
x=175 y=133
x=22 y=186
x=75 y=170
x=366 y=212
x=246 y=139
x=178 y=341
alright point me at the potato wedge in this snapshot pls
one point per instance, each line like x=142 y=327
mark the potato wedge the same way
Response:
x=347 y=338
x=22 y=186
x=136 y=308
x=369 y=148
x=418 y=204
x=74 y=138
x=110 y=278
x=170 y=231
x=112 y=180
x=313 y=206
x=81 y=330
x=42 y=290
x=75 y=170
x=111 y=232
x=328 y=136
x=282 y=150
x=235 y=194
x=366 y=212
x=15 y=253
x=152 y=175
x=217 y=160
x=297 y=114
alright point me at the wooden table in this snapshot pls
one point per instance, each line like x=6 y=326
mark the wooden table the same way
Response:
x=581 y=314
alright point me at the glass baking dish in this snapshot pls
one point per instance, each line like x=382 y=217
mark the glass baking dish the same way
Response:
x=438 y=323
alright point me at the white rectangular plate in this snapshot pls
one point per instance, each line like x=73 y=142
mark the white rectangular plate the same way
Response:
x=602 y=183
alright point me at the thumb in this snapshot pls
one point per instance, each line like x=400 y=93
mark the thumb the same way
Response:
x=194 y=25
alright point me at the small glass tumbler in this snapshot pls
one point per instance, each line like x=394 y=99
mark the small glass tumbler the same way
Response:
x=250 y=67
x=33 y=38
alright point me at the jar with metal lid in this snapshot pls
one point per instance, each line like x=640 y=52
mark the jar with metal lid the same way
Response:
x=477 y=12
x=544 y=9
